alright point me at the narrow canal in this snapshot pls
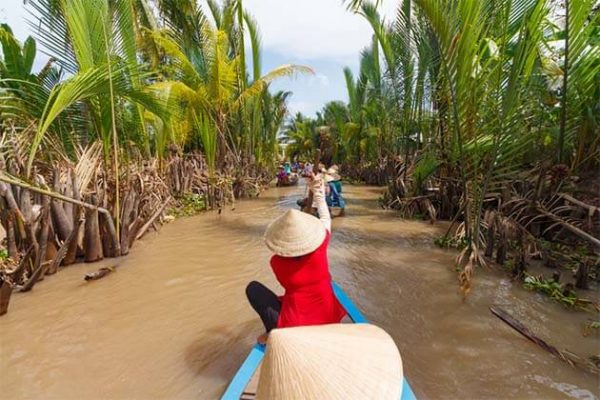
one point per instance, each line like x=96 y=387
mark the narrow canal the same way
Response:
x=172 y=321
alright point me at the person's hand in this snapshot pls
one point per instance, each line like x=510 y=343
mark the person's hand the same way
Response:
x=317 y=185
x=262 y=339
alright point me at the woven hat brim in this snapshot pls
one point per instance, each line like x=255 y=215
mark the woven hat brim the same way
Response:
x=304 y=239
x=332 y=177
x=338 y=361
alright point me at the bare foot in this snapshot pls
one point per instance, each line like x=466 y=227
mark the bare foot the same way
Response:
x=262 y=339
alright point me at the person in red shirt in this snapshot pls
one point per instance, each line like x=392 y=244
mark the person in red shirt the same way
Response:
x=299 y=242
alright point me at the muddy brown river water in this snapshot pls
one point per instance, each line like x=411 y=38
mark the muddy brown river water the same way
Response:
x=172 y=322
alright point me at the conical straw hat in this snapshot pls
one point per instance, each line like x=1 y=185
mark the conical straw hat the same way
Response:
x=328 y=362
x=294 y=234
x=332 y=175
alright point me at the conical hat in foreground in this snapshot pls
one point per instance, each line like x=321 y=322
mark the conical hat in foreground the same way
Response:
x=294 y=234
x=327 y=362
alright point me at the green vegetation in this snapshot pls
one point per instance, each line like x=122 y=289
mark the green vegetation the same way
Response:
x=481 y=112
x=190 y=204
x=451 y=242
x=552 y=289
x=141 y=102
x=484 y=111
x=141 y=75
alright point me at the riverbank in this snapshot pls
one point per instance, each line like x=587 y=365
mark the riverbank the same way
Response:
x=172 y=321
x=75 y=213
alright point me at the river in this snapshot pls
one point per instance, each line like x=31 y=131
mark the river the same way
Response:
x=172 y=321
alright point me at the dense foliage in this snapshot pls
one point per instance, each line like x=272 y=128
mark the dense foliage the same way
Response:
x=143 y=104
x=469 y=103
x=140 y=75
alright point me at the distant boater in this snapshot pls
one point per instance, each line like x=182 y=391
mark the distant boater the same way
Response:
x=334 y=190
x=300 y=264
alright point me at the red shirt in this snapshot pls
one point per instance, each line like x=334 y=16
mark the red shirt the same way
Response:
x=308 y=298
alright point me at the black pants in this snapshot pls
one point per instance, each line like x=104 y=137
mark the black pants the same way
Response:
x=265 y=303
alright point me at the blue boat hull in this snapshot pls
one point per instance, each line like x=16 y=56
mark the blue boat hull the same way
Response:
x=251 y=363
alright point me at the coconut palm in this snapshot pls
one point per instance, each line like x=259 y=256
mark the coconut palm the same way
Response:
x=579 y=106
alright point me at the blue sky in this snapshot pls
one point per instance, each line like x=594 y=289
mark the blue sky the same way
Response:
x=317 y=33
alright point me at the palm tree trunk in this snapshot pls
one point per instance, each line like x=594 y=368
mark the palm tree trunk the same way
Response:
x=115 y=142
x=92 y=239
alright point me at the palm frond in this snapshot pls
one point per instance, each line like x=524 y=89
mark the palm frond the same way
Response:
x=256 y=45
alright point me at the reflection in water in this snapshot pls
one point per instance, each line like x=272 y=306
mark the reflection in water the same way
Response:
x=173 y=321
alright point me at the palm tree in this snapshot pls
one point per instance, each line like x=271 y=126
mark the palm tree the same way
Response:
x=462 y=86
x=96 y=44
x=141 y=75
x=213 y=83
x=301 y=137
x=25 y=94
x=580 y=86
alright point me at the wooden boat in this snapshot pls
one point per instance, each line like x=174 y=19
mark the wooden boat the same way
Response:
x=244 y=383
x=290 y=180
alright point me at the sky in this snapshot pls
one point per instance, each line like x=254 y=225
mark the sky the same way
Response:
x=320 y=34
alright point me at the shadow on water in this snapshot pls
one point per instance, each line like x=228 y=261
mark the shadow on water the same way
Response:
x=216 y=351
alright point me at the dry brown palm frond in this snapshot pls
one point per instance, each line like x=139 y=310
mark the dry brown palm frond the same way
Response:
x=473 y=258
x=569 y=213
x=15 y=145
x=509 y=227
x=489 y=218
x=87 y=165
x=56 y=147
x=22 y=141
x=3 y=151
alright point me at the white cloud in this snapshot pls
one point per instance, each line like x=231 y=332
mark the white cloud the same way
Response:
x=302 y=29
x=312 y=29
